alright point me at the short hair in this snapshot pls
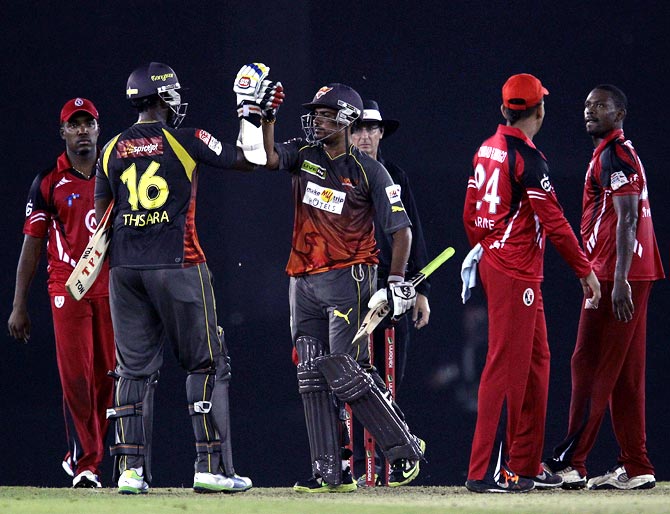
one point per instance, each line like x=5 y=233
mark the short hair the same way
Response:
x=514 y=115
x=618 y=96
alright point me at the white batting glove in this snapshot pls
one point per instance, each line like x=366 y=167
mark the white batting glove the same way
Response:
x=377 y=299
x=402 y=297
x=248 y=82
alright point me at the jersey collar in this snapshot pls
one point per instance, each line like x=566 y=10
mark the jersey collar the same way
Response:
x=506 y=130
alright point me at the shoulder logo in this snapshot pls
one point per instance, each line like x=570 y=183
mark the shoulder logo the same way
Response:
x=212 y=143
x=545 y=183
x=393 y=193
x=29 y=208
x=313 y=169
x=618 y=179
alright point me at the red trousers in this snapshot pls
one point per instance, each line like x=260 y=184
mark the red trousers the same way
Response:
x=608 y=369
x=85 y=352
x=513 y=389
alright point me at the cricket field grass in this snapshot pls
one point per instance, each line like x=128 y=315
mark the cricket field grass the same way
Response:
x=380 y=500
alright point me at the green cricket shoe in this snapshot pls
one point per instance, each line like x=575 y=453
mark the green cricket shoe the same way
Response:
x=403 y=471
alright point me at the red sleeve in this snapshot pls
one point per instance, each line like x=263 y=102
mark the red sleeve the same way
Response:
x=558 y=230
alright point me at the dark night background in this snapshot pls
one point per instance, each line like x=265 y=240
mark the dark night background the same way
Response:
x=437 y=67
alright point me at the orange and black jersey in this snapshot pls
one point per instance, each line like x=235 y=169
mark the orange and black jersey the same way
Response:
x=337 y=202
x=151 y=172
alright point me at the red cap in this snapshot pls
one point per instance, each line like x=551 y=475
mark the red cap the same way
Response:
x=76 y=105
x=522 y=92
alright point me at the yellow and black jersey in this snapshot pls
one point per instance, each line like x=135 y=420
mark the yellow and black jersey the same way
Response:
x=151 y=172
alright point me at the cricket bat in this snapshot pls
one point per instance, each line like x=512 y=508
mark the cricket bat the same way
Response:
x=376 y=315
x=90 y=263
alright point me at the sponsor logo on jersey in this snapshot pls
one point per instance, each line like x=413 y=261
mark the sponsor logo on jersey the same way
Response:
x=59 y=301
x=324 y=198
x=29 y=208
x=313 y=169
x=212 y=143
x=528 y=297
x=141 y=147
x=89 y=221
x=618 y=179
x=393 y=193
x=545 y=183
x=349 y=183
x=322 y=92
x=397 y=208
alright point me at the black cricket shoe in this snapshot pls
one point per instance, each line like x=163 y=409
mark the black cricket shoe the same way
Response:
x=509 y=482
x=315 y=484
x=546 y=479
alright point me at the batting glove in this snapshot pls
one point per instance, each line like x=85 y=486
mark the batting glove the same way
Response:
x=271 y=99
x=402 y=297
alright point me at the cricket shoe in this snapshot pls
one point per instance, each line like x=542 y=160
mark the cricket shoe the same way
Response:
x=572 y=479
x=618 y=479
x=86 y=480
x=316 y=484
x=508 y=482
x=546 y=479
x=131 y=482
x=403 y=471
x=362 y=480
x=211 y=483
x=68 y=464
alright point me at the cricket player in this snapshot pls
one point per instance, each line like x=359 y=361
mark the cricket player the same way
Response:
x=160 y=286
x=510 y=209
x=608 y=363
x=60 y=210
x=339 y=194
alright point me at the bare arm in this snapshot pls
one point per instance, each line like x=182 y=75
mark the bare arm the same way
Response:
x=19 y=320
x=269 y=145
x=421 y=312
x=622 y=299
x=101 y=205
x=402 y=242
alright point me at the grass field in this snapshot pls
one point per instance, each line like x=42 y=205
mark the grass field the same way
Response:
x=380 y=500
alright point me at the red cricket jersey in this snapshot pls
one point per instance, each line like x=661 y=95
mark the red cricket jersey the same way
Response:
x=615 y=169
x=60 y=207
x=510 y=206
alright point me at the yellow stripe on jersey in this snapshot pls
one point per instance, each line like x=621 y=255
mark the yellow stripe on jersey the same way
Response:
x=365 y=175
x=181 y=153
x=108 y=152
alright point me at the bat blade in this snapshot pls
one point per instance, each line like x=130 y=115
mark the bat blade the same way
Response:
x=375 y=316
x=90 y=263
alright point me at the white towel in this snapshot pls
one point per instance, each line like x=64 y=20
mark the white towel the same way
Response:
x=469 y=270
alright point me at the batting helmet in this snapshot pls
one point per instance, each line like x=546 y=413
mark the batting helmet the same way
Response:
x=342 y=98
x=158 y=79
